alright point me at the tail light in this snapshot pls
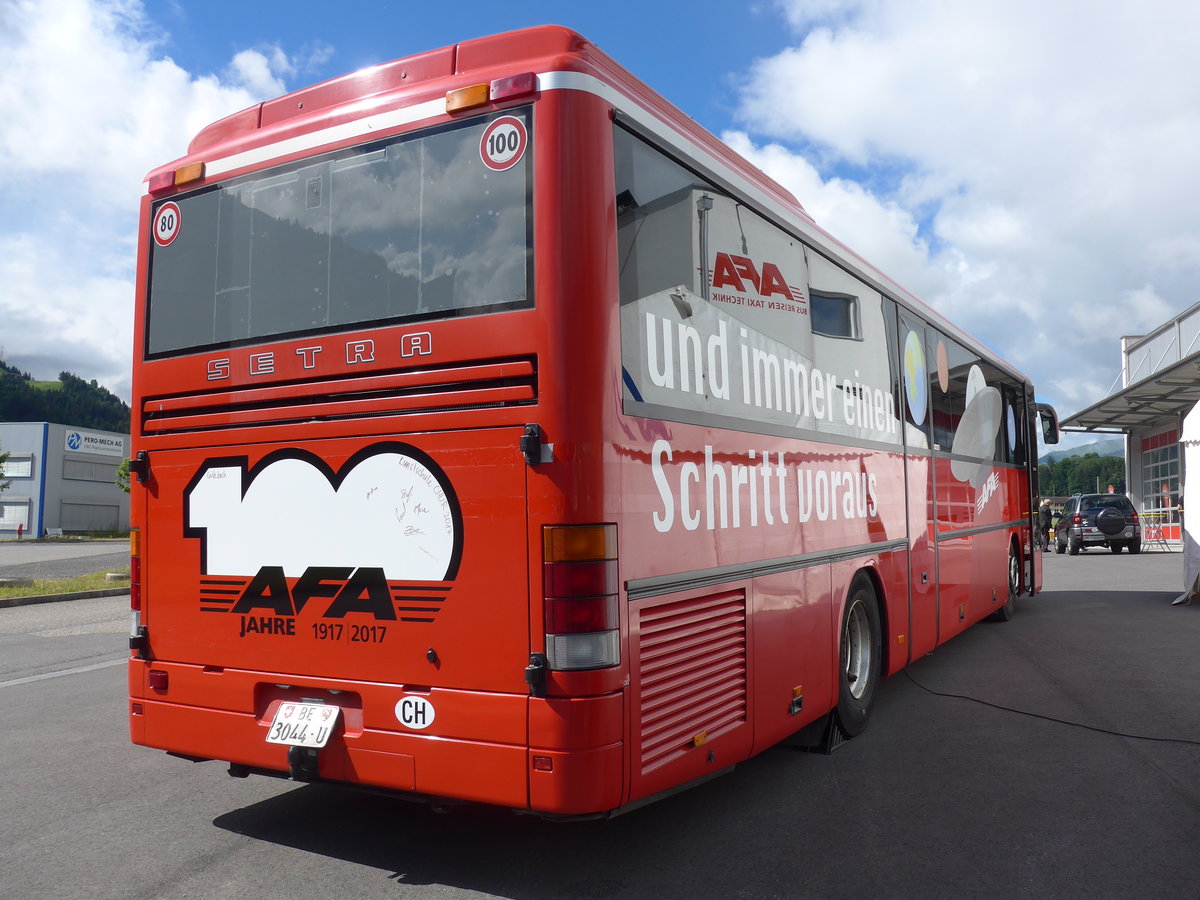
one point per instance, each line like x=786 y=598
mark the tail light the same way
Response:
x=1136 y=520
x=136 y=632
x=580 y=594
x=135 y=569
x=1077 y=519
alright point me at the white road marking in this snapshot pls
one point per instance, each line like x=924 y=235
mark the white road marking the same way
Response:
x=74 y=671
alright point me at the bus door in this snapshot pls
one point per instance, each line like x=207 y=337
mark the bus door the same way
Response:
x=388 y=560
x=923 y=576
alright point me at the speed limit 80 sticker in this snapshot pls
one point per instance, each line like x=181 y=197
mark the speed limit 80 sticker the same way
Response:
x=166 y=224
x=503 y=143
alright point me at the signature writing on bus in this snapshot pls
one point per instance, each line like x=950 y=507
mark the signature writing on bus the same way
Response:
x=402 y=510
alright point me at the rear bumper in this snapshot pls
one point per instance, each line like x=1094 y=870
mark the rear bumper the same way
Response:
x=1096 y=536
x=480 y=746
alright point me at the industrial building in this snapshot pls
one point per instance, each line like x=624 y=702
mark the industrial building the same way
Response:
x=62 y=480
x=1159 y=385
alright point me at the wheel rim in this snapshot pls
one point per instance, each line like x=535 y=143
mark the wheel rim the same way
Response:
x=1014 y=576
x=856 y=650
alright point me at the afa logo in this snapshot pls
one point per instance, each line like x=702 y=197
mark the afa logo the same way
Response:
x=380 y=536
x=740 y=274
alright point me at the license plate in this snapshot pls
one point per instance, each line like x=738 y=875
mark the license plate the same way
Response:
x=303 y=724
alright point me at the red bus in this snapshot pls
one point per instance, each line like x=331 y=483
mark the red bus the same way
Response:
x=501 y=436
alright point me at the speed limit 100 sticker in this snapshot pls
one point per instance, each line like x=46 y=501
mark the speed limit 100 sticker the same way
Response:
x=503 y=143
x=166 y=224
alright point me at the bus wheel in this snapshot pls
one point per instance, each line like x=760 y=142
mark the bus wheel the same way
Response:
x=861 y=657
x=1004 y=613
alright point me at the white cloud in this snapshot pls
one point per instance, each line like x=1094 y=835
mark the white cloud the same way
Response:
x=849 y=212
x=1032 y=164
x=88 y=105
x=256 y=70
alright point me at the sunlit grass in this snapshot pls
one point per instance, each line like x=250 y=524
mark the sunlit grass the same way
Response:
x=43 y=586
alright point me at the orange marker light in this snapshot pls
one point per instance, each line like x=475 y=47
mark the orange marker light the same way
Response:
x=577 y=543
x=189 y=173
x=467 y=98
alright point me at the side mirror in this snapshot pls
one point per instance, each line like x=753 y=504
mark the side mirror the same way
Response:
x=1049 y=420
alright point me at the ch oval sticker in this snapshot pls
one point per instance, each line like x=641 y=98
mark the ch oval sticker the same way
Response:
x=415 y=712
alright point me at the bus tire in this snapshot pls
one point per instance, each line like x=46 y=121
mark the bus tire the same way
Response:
x=1004 y=613
x=860 y=656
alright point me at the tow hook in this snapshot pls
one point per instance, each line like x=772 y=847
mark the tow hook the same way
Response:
x=302 y=763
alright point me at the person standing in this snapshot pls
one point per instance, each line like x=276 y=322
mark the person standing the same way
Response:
x=1044 y=524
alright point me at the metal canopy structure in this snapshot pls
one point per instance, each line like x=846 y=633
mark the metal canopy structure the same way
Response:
x=1171 y=391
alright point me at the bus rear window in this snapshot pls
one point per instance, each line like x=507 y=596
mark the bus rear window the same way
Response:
x=415 y=228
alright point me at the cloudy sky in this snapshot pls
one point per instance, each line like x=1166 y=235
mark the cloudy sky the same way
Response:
x=1028 y=168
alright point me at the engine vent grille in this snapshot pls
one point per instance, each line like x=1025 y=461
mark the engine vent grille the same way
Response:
x=692 y=674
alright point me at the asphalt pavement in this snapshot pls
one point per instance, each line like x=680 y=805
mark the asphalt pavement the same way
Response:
x=61 y=559
x=1055 y=755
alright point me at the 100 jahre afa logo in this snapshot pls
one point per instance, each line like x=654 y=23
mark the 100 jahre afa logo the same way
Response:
x=387 y=523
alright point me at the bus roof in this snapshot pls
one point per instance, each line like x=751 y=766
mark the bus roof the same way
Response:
x=422 y=81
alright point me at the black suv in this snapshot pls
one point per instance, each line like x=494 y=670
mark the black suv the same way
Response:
x=1105 y=520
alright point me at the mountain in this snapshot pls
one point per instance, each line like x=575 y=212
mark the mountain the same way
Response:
x=68 y=401
x=1114 y=446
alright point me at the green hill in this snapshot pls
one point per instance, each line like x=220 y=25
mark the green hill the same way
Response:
x=1114 y=446
x=68 y=401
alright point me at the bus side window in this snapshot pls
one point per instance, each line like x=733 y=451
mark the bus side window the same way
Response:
x=655 y=215
x=976 y=408
x=918 y=380
x=1011 y=439
x=854 y=345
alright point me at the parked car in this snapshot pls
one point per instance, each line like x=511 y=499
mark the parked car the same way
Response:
x=1098 y=520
